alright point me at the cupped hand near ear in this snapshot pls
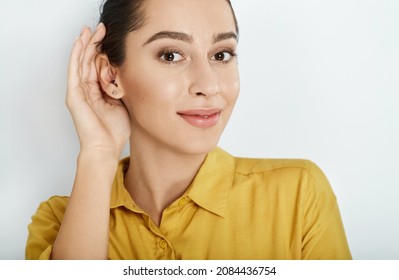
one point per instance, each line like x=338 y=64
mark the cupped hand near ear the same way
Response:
x=102 y=123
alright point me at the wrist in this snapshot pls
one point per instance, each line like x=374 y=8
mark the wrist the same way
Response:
x=96 y=169
x=105 y=154
x=101 y=159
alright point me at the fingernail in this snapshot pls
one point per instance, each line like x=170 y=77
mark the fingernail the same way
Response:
x=99 y=25
x=83 y=29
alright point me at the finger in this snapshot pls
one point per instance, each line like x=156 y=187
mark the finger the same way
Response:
x=84 y=37
x=93 y=75
x=73 y=68
x=88 y=66
x=96 y=41
x=89 y=69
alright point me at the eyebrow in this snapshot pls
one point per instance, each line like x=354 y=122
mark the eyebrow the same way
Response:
x=188 y=38
x=224 y=36
x=170 y=35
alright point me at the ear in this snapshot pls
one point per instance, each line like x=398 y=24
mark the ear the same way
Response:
x=107 y=75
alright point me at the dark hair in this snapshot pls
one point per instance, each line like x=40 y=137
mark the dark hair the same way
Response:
x=121 y=17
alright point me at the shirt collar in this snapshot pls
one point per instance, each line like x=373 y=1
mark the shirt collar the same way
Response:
x=119 y=195
x=211 y=186
x=209 y=189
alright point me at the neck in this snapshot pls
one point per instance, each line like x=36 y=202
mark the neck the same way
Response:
x=158 y=176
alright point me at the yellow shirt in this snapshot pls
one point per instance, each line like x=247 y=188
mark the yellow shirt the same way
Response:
x=235 y=208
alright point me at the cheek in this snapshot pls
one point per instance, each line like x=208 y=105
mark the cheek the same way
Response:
x=230 y=86
x=153 y=91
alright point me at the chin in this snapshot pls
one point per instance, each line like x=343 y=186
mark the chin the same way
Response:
x=199 y=146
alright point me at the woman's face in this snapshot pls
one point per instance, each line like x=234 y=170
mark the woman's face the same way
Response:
x=180 y=77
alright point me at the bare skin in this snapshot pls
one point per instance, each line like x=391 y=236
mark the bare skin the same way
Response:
x=166 y=150
x=103 y=128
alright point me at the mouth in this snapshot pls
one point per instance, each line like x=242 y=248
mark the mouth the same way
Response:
x=201 y=118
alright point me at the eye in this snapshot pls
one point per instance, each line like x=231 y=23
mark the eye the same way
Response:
x=170 y=56
x=224 y=56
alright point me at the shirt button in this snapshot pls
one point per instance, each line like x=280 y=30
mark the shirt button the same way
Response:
x=182 y=201
x=163 y=244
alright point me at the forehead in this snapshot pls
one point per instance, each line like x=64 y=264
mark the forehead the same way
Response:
x=195 y=17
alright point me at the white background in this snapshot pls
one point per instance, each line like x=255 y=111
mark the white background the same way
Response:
x=319 y=80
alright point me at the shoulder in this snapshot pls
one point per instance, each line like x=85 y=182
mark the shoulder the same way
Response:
x=276 y=168
x=54 y=206
x=288 y=167
x=55 y=201
x=286 y=174
x=261 y=165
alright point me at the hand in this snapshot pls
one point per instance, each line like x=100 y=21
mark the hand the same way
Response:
x=102 y=123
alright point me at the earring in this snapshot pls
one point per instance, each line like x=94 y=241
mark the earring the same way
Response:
x=114 y=92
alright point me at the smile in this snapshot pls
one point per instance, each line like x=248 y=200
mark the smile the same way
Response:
x=201 y=118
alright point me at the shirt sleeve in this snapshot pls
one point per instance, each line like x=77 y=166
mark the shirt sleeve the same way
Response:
x=323 y=231
x=43 y=229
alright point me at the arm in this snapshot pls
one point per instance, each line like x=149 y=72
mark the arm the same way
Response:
x=103 y=127
x=323 y=231
x=84 y=230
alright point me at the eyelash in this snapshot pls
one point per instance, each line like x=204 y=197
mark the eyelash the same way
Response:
x=169 y=51
x=229 y=52
x=175 y=51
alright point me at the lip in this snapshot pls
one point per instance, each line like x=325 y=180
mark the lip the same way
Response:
x=201 y=118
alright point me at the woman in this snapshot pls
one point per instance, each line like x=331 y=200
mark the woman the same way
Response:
x=164 y=76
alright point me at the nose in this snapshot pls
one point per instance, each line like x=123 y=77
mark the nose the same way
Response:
x=204 y=79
